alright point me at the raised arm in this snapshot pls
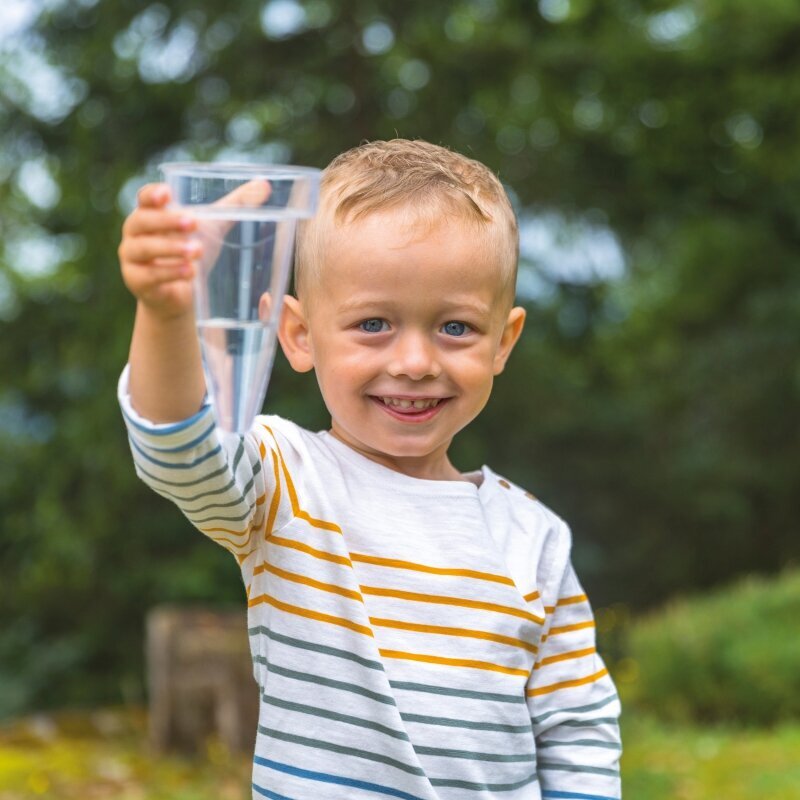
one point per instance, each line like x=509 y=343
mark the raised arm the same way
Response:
x=158 y=258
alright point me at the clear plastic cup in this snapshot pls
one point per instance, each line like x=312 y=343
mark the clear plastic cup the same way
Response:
x=246 y=215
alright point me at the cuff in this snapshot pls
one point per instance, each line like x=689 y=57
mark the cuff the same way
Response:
x=179 y=435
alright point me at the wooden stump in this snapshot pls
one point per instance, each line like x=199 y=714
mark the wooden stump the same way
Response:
x=200 y=680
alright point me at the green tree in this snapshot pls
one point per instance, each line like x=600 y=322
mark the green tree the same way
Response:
x=657 y=412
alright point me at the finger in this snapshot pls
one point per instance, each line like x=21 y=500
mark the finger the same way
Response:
x=252 y=193
x=144 y=249
x=153 y=195
x=143 y=278
x=148 y=221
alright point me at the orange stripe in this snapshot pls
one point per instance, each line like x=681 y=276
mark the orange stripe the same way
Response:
x=317 y=523
x=293 y=576
x=568 y=601
x=576 y=626
x=453 y=662
x=296 y=510
x=312 y=551
x=465 y=573
x=554 y=687
x=446 y=631
x=565 y=657
x=307 y=612
x=451 y=601
x=532 y=596
x=261 y=500
x=276 y=496
x=209 y=531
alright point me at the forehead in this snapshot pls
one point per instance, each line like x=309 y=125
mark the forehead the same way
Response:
x=393 y=246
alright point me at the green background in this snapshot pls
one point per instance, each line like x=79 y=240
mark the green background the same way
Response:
x=651 y=150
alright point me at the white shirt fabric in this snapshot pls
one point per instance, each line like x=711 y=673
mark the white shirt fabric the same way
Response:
x=411 y=638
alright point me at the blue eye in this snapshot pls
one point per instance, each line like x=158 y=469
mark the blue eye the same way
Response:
x=373 y=325
x=455 y=328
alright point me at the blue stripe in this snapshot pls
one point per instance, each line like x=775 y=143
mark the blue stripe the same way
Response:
x=190 y=465
x=166 y=430
x=326 y=778
x=189 y=445
x=268 y=793
x=575 y=795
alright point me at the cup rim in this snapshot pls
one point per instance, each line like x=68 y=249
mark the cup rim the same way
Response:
x=234 y=170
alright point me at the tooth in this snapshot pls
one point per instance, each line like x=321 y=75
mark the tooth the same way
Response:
x=386 y=401
x=420 y=404
x=405 y=403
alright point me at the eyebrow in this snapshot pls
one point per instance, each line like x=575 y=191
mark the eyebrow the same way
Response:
x=370 y=304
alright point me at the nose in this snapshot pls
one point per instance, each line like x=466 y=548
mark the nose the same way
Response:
x=414 y=356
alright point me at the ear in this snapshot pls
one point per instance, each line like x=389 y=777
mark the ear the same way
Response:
x=293 y=334
x=511 y=333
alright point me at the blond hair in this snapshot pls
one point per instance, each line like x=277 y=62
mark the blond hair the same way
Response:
x=429 y=182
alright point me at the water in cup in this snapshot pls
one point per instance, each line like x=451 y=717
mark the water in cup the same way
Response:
x=246 y=218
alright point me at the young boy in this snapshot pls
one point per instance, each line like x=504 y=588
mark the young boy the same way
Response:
x=416 y=632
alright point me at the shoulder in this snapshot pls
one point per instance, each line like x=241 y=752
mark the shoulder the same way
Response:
x=530 y=534
x=293 y=445
x=524 y=507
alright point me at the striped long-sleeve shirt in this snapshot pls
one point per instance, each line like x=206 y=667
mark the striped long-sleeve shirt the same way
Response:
x=416 y=639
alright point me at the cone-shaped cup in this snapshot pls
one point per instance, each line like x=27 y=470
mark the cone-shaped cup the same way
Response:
x=246 y=217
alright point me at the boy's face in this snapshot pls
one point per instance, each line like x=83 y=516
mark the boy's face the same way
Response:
x=405 y=332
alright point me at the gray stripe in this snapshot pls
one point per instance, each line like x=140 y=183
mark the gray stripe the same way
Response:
x=318 y=679
x=220 y=519
x=220 y=505
x=376 y=665
x=347 y=718
x=175 y=464
x=446 y=753
x=248 y=486
x=611 y=773
x=579 y=743
x=423 y=687
x=314 y=647
x=485 y=787
x=466 y=723
x=338 y=748
x=187 y=446
x=590 y=723
x=238 y=457
x=194 y=498
x=184 y=484
x=575 y=709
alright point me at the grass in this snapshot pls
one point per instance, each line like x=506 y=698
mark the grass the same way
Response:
x=689 y=762
x=103 y=755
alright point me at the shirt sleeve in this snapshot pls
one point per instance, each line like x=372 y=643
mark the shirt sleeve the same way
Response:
x=573 y=704
x=217 y=480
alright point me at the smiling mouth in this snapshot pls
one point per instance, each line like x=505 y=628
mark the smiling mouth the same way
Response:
x=417 y=409
x=406 y=404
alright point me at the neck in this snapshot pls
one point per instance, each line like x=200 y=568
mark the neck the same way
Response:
x=429 y=467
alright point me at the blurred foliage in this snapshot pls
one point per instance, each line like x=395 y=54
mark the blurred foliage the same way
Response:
x=103 y=756
x=657 y=412
x=729 y=656
x=686 y=762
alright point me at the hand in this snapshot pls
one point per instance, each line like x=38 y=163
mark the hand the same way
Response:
x=158 y=253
